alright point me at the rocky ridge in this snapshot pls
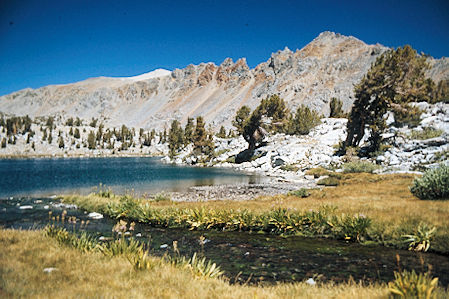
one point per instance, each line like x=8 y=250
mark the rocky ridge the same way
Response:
x=327 y=67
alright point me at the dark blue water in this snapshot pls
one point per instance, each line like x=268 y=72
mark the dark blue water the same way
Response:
x=32 y=177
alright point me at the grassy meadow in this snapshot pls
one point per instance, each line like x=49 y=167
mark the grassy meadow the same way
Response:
x=364 y=208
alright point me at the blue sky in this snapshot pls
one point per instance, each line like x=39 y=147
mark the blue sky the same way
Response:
x=53 y=42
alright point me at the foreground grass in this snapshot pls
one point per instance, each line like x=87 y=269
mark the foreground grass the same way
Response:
x=384 y=199
x=25 y=254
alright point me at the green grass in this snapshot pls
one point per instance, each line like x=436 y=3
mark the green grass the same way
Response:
x=426 y=133
x=329 y=181
x=290 y=167
x=360 y=166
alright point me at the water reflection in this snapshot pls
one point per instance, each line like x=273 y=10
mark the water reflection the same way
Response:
x=140 y=175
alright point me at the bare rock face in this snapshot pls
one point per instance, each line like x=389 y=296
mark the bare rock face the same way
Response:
x=327 y=67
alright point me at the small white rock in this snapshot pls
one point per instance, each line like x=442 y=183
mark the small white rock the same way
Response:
x=46 y=207
x=50 y=269
x=138 y=235
x=311 y=282
x=95 y=215
x=25 y=207
x=163 y=246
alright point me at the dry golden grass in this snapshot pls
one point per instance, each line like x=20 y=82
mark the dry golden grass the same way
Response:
x=384 y=198
x=24 y=255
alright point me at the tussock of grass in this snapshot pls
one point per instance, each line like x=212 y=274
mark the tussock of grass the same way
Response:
x=360 y=166
x=317 y=172
x=329 y=181
x=25 y=254
x=426 y=133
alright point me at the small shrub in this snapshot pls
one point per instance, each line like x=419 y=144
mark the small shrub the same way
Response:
x=317 y=172
x=122 y=247
x=335 y=106
x=426 y=133
x=161 y=197
x=104 y=192
x=304 y=121
x=359 y=166
x=200 y=267
x=411 y=285
x=329 y=181
x=420 y=241
x=83 y=242
x=353 y=228
x=441 y=156
x=140 y=260
x=230 y=160
x=302 y=193
x=290 y=167
x=320 y=171
x=410 y=116
x=434 y=184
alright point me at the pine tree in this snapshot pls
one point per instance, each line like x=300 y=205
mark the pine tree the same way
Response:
x=275 y=108
x=222 y=132
x=99 y=133
x=77 y=133
x=44 y=136
x=254 y=130
x=240 y=118
x=61 y=142
x=336 y=108
x=91 y=141
x=78 y=122
x=304 y=120
x=164 y=136
x=394 y=80
x=69 y=122
x=50 y=122
x=188 y=131
x=199 y=136
x=93 y=123
x=175 y=138
x=441 y=92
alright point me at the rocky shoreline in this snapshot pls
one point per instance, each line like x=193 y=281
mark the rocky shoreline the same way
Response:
x=239 y=192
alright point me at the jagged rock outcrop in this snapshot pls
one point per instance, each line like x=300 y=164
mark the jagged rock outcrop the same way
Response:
x=327 y=67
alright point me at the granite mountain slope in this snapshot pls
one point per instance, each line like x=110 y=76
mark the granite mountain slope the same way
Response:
x=327 y=67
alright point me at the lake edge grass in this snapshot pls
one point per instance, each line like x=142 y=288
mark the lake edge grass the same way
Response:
x=384 y=201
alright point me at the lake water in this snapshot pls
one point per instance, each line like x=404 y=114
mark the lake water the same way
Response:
x=42 y=177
